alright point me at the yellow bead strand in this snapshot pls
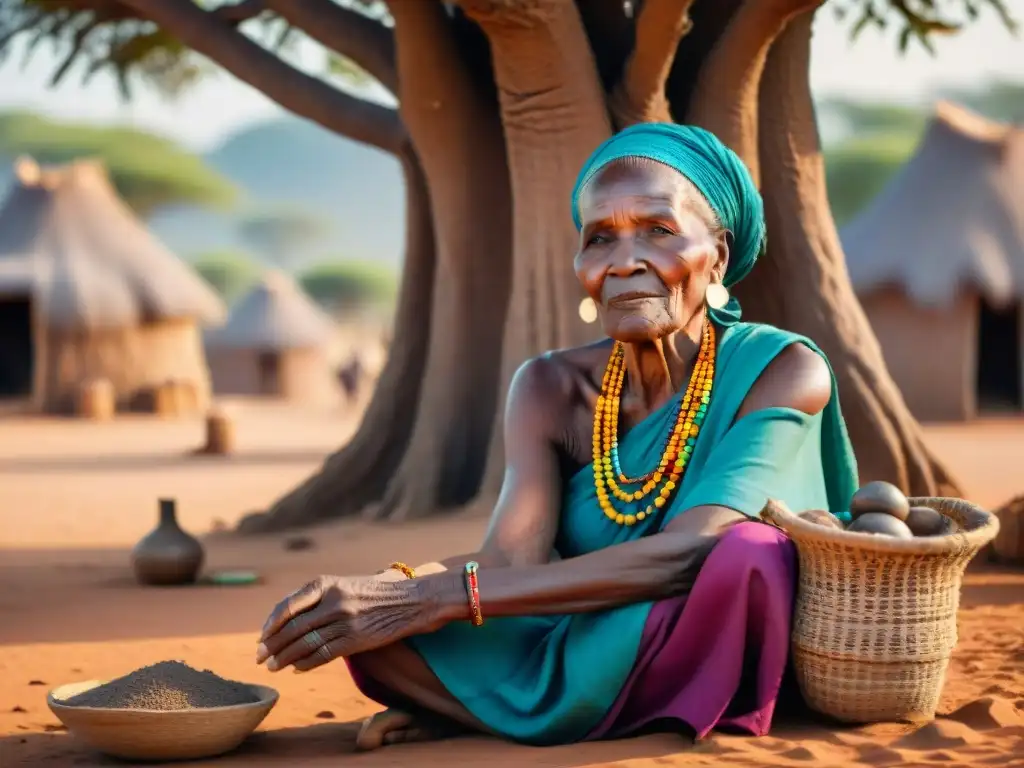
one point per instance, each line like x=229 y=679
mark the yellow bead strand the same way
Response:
x=679 y=446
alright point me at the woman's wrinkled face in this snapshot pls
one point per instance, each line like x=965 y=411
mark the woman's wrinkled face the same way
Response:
x=649 y=247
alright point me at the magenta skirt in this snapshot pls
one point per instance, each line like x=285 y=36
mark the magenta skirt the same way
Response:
x=714 y=658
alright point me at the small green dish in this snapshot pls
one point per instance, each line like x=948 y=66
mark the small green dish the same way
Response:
x=232 y=578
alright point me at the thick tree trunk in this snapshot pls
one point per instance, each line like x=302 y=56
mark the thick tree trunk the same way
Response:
x=359 y=472
x=640 y=97
x=457 y=132
x=802 y=283
x=494 y=194
x=725 y=100
x=554 y=114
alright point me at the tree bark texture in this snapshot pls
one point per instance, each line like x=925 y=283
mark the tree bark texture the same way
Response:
x=492 y=204
x=802 y=284
x=457 y=131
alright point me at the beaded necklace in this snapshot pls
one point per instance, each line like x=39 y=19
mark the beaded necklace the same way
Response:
x=690 y=413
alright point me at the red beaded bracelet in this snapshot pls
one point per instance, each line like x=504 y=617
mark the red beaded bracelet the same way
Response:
x=473 y=592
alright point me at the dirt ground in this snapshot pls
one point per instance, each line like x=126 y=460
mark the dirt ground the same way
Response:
x=76 y=496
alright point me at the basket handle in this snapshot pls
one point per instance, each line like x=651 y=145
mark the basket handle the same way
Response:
x=776 y=513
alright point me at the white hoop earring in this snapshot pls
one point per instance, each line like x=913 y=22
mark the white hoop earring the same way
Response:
x=716 y=296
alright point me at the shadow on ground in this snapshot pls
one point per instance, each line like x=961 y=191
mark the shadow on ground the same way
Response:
x=323 y=744
x=135 y=461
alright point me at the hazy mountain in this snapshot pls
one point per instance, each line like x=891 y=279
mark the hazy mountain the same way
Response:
x=293 y=163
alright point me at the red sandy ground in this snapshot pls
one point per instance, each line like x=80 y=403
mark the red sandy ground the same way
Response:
x=75 y=496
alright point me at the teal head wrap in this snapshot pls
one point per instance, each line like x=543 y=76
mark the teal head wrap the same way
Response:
x=716 y=171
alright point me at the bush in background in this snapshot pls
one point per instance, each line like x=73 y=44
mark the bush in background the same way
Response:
x=231 y=273
x=345 y=286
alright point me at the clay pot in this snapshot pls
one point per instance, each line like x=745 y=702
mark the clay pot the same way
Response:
x=167 y=555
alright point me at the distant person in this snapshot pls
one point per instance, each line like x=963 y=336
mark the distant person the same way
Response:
x=350 y=377
x=622 y=582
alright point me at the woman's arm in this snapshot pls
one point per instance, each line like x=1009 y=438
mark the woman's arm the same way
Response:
x=650 y=568
x=340 y=616
x=525 y=520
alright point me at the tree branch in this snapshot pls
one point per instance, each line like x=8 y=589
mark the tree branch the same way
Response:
x=639 y=97
x=725 y=101
x=294 y=90
x=240 y=12
x=368 y=43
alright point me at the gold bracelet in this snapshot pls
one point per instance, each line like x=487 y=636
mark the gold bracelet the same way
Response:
x=409 y=572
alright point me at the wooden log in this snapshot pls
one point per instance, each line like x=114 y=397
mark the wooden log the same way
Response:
x=220 y=432
x=96 y=400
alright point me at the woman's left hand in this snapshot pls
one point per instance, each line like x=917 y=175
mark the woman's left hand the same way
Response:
x=333 y=617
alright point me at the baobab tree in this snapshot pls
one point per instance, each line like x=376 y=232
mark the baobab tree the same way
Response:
x=500 y=102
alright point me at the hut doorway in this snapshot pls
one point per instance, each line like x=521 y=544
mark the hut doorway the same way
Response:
x=17 y=350
x=269 y=366
x=999 y=371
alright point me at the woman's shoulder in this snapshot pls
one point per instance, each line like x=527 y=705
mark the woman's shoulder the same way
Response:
x=792 y=370
x=552 y=382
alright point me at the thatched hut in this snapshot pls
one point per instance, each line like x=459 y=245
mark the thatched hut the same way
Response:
x=87 y=293
x=275 y=343
x=938 y=262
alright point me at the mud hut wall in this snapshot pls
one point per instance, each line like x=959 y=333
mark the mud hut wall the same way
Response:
x=235 y=371
x=930 y=352
x=303 y=375
x=134 y=359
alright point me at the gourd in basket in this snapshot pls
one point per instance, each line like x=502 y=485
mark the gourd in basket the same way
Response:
x=875 y=619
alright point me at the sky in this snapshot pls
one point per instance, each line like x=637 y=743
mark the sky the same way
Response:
x=205 y=115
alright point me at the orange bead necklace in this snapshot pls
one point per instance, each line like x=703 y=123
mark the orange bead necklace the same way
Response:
x=690 y=413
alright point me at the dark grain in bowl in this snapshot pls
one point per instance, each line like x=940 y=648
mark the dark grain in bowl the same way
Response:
x=165 y=686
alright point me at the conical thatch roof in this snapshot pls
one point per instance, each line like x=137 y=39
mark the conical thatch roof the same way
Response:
x=952 y=216
x=275 y=315
x=67 y=236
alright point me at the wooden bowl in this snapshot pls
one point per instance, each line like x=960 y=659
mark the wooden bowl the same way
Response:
x=150 y=734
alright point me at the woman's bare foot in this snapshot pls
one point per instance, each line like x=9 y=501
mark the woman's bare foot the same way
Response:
x=394 y=726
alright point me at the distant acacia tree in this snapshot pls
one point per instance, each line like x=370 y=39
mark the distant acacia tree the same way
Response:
x=283 y=235
x=229 y=272
x=346 y=286
x=500 y=102
x=148 y=171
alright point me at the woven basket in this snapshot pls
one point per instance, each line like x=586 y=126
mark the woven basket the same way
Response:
x=875 y=619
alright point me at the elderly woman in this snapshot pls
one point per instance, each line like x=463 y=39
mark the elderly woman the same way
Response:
x=623 y=582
